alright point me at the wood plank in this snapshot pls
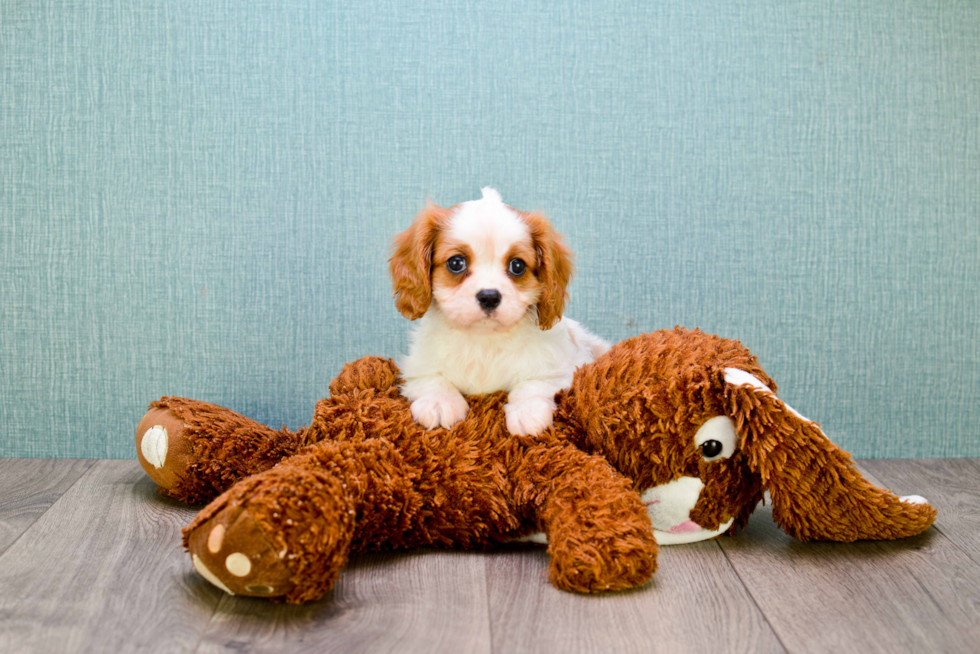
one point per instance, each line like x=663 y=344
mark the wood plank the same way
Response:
x=912 y=595
x=28 y=487
x=425 y=602
x=102 y=571
x=950 y=485
x=696 y=603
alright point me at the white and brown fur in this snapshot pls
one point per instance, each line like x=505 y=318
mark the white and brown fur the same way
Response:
x=518 y=342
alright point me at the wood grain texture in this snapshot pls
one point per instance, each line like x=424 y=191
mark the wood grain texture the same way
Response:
x=422 y=602
x=695 y=603
x=28 y=487
x=912 y=595
x=950 y=485
x=102 y=571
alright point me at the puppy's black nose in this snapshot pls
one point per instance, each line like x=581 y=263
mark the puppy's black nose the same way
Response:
x=489 y=299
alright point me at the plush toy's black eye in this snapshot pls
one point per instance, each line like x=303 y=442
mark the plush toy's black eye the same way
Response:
x=710 y=449
x=516 y=267
x=456 y=264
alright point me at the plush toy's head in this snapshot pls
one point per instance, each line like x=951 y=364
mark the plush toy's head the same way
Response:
x=695 y=423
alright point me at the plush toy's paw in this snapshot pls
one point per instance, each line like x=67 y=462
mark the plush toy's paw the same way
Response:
x=603 y=564
x=195 y=451
x=529 y=416
x=285 y=532
x=161 y=447
x=233 y=552
x=440 y=408
x=598 y=530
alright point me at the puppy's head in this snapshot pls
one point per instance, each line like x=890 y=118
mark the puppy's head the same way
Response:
x=486 y=265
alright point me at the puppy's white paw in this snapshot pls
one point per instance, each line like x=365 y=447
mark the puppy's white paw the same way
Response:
x=530 y=416
x=440 y=408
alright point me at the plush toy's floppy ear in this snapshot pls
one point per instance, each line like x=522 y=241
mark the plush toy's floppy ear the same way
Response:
x=411 y=262
x=554 y=268
x=817 y=494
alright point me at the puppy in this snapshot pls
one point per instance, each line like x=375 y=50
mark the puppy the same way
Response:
x=488 y=286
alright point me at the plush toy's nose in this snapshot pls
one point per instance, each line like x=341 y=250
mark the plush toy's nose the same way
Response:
x=670 y=506
x=489 y=299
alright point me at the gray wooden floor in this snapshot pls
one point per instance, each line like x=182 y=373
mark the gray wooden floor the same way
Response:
x=90 y=561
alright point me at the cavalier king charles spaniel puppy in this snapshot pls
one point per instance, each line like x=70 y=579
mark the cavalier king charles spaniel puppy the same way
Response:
x=487 y=284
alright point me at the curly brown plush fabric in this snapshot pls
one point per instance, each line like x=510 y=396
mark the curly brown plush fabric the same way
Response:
x=378 y=481
x=289 y=507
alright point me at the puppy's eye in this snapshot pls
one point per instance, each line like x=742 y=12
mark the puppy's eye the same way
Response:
x=456 y=264
x=516 y=267
x=711 y=448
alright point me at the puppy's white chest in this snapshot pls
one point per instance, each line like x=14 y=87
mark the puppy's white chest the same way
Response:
x=475 y=370
x=488 y=362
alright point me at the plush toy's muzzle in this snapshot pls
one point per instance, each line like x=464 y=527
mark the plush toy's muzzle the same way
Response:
x=672 y=506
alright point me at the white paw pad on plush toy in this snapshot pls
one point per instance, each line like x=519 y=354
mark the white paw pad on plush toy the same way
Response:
x=154 y=445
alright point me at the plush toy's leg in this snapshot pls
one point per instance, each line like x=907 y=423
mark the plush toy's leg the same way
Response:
x=195 y=450
x=598 y=530
x=367 y=374
x=287 y=532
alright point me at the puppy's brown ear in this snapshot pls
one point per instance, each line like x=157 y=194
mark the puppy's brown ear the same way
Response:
x=411 y=262
x=817 y=494
x=554 y=268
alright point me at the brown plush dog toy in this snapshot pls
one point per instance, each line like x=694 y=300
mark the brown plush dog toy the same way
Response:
x=671 y=436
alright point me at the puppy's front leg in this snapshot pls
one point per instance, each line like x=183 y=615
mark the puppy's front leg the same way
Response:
x=531 y=405
x=435 y=402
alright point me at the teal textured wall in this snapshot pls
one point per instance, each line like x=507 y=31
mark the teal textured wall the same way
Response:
x=197 y=197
